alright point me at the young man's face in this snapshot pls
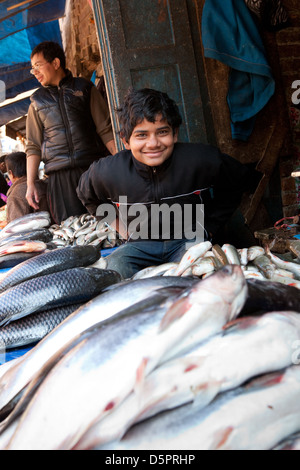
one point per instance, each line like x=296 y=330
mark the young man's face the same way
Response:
x=47 y=73
x=152 y=143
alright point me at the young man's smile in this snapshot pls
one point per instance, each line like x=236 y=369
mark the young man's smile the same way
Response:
x=152 y=143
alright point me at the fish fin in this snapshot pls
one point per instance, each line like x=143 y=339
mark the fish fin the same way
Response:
x=204 y=393
x=221 y=438
x=140 y=375
x=243 y=323
x=176 y=311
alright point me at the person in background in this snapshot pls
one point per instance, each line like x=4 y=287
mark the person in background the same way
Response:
x=157 y=170
x=4 y=184
x=17 y=205
x=68 y=127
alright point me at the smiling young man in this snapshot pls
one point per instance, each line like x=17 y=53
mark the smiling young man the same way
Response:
x=68 y=127
x=159 y=187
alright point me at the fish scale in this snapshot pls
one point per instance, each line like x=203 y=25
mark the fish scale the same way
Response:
x=53 y=290
x=33 y=328
x=52 y=261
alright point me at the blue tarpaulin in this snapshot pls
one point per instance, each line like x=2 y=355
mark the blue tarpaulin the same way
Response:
x=23 y=25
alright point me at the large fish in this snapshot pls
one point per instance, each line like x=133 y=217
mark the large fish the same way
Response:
x=43 y=235
x=34 y=327
x=104 y=306
x=56 y=260
x=33 y=221
x=268 y=296
x=27 y=246
x=10 y=261
x=109 y=363
x=53 y=290
x=254 y=417
x=249 y=347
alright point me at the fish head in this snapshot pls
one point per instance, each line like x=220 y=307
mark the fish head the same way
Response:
x=230 y=284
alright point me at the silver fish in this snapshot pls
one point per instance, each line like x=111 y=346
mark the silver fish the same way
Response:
x=101 y=308
x=288 y=265
x=255 y=417
x=231 y=253
x=136 y=345
x=265 y=266
x=192 y=254
x=43 y=235
x=201 y=375
x=33 y=221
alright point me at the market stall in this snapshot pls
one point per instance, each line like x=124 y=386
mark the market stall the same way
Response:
x=176 y=348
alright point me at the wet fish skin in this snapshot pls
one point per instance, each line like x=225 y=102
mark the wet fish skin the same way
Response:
x=254 y=417
x=103 y=358
x=23 y=246
x=43 y=235
x=200 y=375
x=136 y=345
x=288 y=265
x=50 y=262
x=33 y=328
x=192 y=254
x=31 y=221
x=266 y=267
x=53 y=290
x=270 y=296
x=101 y=308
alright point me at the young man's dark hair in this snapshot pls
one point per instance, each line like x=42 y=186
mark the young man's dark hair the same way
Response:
x=16 y=163
x=147 y=104
x=50 y=50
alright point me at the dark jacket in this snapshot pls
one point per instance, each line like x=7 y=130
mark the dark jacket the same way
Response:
x=70 y=138
x=194 y=174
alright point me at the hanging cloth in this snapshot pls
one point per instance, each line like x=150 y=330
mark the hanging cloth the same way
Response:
x=230 y=35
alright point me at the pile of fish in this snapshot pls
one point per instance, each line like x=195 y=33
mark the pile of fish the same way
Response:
x=38 y=293
x=201 y=354
x=27 y=236
x=257 y=262
x=160 y=363
x=84 y=230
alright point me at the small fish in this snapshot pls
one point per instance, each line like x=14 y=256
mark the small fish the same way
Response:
x=220 y=255
x=203 y=266
x=288 y=265
x=265 y=266
x=192 y=254
x=232 y=254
